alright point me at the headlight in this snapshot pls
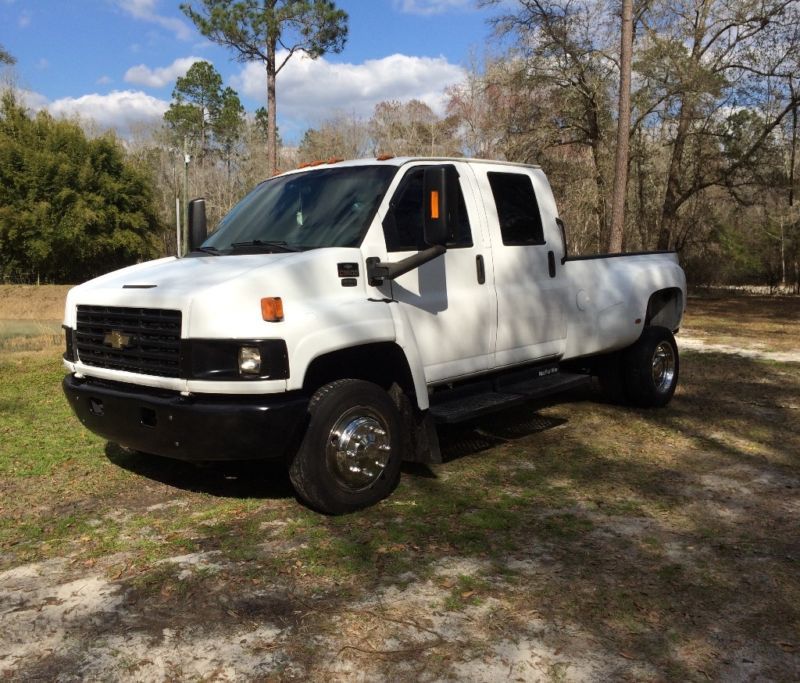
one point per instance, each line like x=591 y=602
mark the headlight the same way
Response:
x=234 y=359
x=250 y=360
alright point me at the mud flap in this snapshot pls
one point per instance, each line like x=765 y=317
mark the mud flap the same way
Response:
x=421 y=442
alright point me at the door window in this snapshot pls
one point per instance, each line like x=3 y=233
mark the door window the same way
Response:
x=517 y=208
x=403 y=226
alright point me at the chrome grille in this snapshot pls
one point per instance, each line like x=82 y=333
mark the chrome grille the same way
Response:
x=141 y=340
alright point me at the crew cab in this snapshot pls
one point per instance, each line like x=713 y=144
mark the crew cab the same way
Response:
x=341 y=311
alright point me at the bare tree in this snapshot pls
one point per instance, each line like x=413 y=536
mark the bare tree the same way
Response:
x=566 y=50
x=706 y=57
x=411 y=128
x=479 y=108
x=339 y=137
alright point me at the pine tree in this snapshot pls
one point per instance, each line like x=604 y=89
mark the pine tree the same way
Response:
x=228 y=124
x=197 y=97
x=256 y=29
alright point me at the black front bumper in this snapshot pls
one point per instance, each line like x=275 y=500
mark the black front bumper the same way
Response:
x=197 y=427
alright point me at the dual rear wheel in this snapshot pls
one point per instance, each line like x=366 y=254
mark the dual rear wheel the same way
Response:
x=645 y=374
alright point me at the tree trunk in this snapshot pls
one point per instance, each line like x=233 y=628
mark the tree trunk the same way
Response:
x=272 y=125
x=672 y=202
x=793 y=155
x=641 y=217
x=623 y=131
x=792 y=164
x=783 y=254
x=596 y=143
x=600 y=182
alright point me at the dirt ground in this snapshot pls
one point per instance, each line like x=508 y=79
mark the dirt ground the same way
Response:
x=566 y=541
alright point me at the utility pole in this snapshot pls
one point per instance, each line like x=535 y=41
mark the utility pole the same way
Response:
x=178 y=240
x=186 y=159
x=623 y=130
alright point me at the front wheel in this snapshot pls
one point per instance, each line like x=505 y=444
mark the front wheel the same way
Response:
x=350 y=456
x=650 y=368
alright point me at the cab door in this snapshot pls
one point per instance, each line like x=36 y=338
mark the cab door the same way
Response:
x=531 y=290
x=449 y=302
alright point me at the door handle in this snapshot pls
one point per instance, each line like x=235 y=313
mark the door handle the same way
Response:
x=551 y=263
x=481 y=269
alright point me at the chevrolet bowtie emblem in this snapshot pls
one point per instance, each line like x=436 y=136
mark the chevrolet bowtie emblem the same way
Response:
x=116 y=340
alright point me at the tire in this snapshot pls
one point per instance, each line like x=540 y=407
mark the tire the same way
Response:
x=351 y=453
x=650 y=368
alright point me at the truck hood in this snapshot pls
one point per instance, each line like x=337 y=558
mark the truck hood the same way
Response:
x=182 y=276
x=216 y=293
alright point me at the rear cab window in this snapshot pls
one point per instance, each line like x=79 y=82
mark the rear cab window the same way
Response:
x=517 y=208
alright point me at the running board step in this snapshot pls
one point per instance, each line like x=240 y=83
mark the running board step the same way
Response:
x=466 y=403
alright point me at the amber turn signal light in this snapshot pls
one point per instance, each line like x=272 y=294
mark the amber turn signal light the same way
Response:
x=272 y=309
x=434 y=205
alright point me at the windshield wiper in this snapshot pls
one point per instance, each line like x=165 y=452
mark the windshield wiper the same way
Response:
x=266 y=244
x=207 y=250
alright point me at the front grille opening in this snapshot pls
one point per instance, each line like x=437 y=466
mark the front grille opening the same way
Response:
x=141 y=340
x=96 y=407
x=148 y=417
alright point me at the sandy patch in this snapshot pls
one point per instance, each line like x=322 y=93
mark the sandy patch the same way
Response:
x=701 y=346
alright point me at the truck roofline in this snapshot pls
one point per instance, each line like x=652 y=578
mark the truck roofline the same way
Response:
x=400 y=162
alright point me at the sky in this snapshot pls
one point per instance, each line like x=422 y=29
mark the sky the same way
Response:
x=116 y=61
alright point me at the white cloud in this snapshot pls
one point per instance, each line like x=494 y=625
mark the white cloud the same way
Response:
x=428 y=7
x=118 y=109
x=160 y=76
x=145 y=10
x=42 y=64
x=104 y=80
x=30 y=99
x=310 y=89
x=24 y=20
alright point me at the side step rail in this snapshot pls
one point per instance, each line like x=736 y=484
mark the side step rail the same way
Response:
x=481 y=398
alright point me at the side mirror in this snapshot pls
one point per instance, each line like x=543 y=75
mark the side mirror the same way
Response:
x=198 y=232
x=440 y=203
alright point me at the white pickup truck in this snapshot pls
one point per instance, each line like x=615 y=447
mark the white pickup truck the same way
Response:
x=340 y=311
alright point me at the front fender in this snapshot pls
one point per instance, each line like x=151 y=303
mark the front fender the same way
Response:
x=318 y=331
x=407 y=340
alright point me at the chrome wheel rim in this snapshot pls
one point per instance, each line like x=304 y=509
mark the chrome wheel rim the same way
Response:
x=663 y=366
x=358 y=448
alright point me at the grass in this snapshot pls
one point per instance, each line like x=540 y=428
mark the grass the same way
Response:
x=667 y=536
x=29 y=335
x=466 y=591
x=32 y=302
x=30 y=317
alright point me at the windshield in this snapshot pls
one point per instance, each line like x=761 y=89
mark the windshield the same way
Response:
x=330 y=207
